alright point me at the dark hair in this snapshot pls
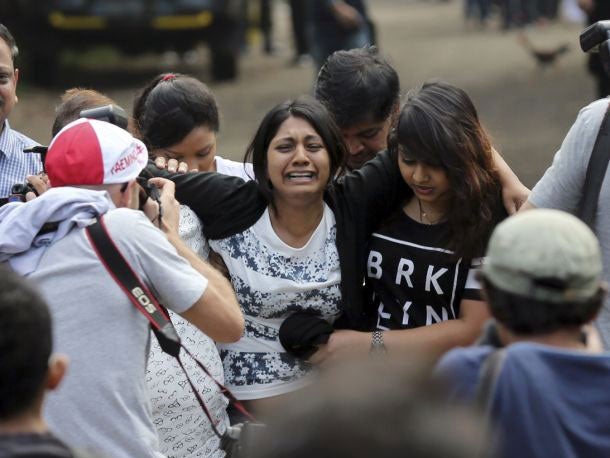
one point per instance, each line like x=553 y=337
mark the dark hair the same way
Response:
x=8 y=38
x=373 y=410
x=25 y=344
x=526 y=316
x=304 y=107
x=439 y=126
x=357 y=86
x=170 y=106
x=73 y=101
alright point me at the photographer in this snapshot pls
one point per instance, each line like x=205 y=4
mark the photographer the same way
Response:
x=562 y=186
x=571 y=182
x=15 y=166
x=92 y=166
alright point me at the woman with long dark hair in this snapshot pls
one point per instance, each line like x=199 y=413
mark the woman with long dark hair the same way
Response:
x=439 y=132
x=293 y=239
x=422 y=260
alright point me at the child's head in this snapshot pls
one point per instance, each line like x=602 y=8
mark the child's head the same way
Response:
x=362 y=92
x=176 y=116
x=367 y=409
x=73 y=101
x=26 y=365
x=439 y=128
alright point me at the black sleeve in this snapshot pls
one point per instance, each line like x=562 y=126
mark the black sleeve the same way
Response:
x=225 y=204
x=374 y=191
x=360 y=201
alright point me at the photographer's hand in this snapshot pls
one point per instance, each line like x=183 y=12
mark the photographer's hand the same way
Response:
x=514 y=193
x=169 y=204
x=40 y=183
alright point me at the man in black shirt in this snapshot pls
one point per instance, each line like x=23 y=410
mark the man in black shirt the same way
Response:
x=361 y=90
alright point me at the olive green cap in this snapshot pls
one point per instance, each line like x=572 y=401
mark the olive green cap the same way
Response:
x=547 y=255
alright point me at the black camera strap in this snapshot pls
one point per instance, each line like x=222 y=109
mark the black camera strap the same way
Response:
x=596 y=172
x=160 y=322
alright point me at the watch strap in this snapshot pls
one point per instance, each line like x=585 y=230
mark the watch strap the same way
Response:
x=377 y=344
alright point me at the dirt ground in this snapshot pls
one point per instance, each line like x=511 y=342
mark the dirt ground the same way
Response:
x=527 y=111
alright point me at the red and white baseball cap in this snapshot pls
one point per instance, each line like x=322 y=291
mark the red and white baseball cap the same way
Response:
x=92 y=152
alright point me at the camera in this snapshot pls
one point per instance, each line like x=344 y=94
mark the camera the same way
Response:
x=596 y=38
x=19 y=190
x=113 y=114
x=148 y=190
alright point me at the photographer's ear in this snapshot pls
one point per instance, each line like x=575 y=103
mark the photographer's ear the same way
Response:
x=129 y=195
x=58 y=366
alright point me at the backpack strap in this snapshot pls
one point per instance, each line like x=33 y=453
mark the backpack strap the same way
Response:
x=488 y=378
x=78 y=453
x=596 y=171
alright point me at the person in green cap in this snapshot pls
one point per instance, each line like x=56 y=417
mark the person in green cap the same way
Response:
x=546 y=390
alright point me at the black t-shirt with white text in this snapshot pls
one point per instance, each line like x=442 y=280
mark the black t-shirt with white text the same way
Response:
x=412 y=279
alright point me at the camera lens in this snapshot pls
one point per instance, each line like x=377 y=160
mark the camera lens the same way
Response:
x=19 y=188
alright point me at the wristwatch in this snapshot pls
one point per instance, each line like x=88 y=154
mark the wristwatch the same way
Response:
x=377 y=346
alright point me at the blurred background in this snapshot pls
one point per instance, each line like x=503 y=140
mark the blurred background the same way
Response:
x=526 y=106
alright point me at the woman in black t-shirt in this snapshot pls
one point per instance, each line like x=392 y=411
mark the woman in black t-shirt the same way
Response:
x=421 y=261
